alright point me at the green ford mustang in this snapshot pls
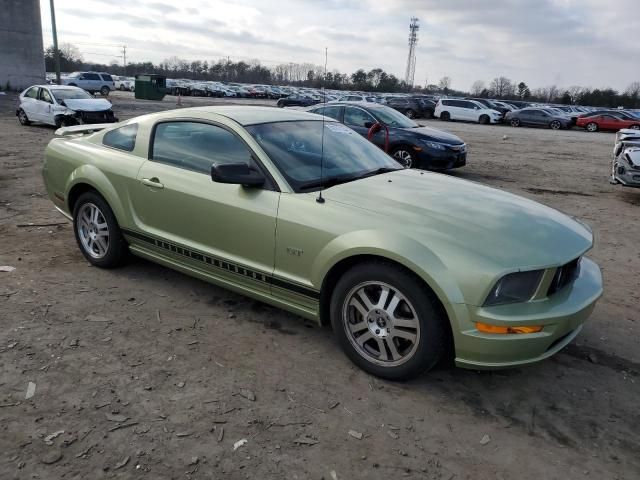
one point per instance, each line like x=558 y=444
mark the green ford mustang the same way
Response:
x=406 y=265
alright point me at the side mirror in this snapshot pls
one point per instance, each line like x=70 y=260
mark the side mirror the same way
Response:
x=476 y=108
x=236 y=173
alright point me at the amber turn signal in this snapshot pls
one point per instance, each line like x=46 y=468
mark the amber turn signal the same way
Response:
x=486 y=328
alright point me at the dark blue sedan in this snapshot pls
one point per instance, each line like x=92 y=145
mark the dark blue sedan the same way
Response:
x=409 y=143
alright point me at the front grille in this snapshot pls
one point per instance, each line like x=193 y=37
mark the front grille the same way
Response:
x=458 y=148
x=564 y=275
x=97 y=117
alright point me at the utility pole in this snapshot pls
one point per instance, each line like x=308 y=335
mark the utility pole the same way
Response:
x=54 y=31
x=411 y=59
x=124 y=58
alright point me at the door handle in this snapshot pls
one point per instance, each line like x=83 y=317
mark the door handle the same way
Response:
x=152 y=182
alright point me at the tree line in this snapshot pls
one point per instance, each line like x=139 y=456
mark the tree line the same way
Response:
x=374 y=80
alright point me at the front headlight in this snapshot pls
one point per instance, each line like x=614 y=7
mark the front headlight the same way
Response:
x=435 y=145
x=514 y=287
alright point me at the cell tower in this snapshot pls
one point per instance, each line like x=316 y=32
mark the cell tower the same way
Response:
x=411 y=59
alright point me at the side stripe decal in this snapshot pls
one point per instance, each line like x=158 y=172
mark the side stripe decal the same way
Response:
x=216 y=263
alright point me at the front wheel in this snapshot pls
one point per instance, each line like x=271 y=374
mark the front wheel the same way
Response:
x=635 y=127
x=484 y=120
x=387 y=322
x=515 y=122
x=97 y=231
x=22 y=118
x=555 y=125
x=410 y=113
x=405 y=157
x=592 y=127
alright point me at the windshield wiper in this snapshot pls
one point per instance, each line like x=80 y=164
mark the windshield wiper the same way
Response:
x=327 y=182
x=378 y=171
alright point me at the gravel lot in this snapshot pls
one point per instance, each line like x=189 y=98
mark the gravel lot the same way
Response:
x=152 y=374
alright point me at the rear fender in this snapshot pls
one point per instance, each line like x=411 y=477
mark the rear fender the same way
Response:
x=92 y=176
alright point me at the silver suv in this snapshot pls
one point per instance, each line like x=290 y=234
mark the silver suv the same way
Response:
x=90 y=81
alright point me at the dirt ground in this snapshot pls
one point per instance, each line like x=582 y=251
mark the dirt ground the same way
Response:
x=151 y=374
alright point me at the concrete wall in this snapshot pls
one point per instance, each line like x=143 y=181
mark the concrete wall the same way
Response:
x=21 y=55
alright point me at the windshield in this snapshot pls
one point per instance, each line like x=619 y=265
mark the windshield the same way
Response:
x=295 y=148
x=70 y=94
x=393 y=118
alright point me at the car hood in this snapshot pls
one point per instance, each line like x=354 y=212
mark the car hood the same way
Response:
x=429 y=133
x=88 y=104
x=445 y=213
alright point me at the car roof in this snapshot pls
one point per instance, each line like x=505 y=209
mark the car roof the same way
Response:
x=55 y=87
x=244 y=115
x=358 y=104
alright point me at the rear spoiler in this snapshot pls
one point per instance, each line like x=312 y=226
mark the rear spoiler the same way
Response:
x=81 y=129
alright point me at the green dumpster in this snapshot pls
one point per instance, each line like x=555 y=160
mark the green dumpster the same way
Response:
x=150 y=86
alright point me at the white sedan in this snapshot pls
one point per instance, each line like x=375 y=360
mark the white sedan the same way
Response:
x=61 y=105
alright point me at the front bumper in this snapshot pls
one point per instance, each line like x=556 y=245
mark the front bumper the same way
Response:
x=562 y=316
x=624 y=174
x=442 y=159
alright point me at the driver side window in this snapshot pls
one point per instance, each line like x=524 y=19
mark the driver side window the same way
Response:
x=196 y=146
x=357 y=117
x=45 y=96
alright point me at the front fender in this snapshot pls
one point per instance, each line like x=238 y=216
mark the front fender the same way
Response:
x=91 y=175
x=399 y=248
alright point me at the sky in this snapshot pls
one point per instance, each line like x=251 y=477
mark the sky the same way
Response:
x=542 y=42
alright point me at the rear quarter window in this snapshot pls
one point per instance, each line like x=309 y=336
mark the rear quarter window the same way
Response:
x=106 y=78
x=123 y=138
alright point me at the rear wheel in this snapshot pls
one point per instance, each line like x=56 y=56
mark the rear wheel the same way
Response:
x=410 y=113
x=22 y=118
x=405 y=156
x=97 y=231
x=387 y=322
x=555 y=125
x=484 y=119
x=104 y=91
x=592 y=127
x=515 y=122
x=446 y=116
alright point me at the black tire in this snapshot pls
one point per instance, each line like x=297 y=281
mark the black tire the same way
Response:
x=405 y=156
x=410 y=113
x=445 y=116
x=635 y=127
x=591 y=127
x=555 y=125
x=22 y=118
x=515 y=122
x=484 y=120
x=104 y=91
x=280 y=104
x=117 y=249
x=431 y=338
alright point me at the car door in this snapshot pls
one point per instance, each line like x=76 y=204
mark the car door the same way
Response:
x=225 y=229
x=92 y=82
x=526 y=117
x=45 y=106
x=609 y=122
x=468 y=110
x=358 y=119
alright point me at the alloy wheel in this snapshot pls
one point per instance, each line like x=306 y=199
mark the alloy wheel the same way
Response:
x=381 y=323
x=515 y=122
x=22 y=117
x=404 y=158
x=555 y=125
x=93 y=230
x=592 y=127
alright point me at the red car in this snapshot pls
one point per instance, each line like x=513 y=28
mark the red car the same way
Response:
x=606 y=122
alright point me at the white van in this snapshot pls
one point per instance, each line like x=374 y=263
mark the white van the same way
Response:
x=467 y=110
